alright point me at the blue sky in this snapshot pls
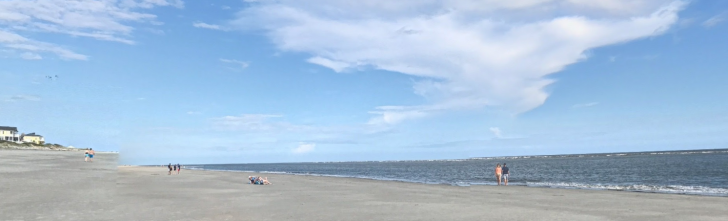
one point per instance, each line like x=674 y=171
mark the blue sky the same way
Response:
x=292 y=81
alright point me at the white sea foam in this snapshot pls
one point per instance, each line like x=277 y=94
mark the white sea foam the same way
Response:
x=274 y=172
x=675 y=189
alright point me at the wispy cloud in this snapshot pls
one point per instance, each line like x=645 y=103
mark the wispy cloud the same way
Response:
x=152 y=3
x=31 y=56
x=101 y=20
x=388 y=115
x=496 y=132
x=155 y=31
x=304 y=148
x=28 y=47
x=208 y=26
x=715 y=20
x=465 y=55
x=23 y=97
x=590 y=104
x=334 y=65
x=249 y=122
x=274 y=125
x=240 y=64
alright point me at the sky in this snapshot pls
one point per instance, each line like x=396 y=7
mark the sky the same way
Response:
x=257 y=81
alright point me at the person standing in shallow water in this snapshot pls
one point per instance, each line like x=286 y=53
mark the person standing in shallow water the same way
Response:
x=505 y=174
x=498 y=174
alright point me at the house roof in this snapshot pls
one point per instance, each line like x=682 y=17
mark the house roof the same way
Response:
x=9 y=128
x=33 y=135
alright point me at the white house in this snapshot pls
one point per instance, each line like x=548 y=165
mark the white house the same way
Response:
x=9 y=134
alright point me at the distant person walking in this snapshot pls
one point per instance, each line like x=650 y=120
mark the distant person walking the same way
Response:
x=498 y=170
x=170 y=169
x=178 y=168
x=89 y=155
x=505 y=174
x=174 y=168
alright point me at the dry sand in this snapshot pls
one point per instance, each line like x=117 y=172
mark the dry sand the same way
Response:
x=46 y=185
x=56 y=185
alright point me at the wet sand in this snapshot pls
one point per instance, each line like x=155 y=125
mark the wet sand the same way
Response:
x=53 y=185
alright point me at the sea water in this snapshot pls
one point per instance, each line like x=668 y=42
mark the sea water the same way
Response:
x=700 y=172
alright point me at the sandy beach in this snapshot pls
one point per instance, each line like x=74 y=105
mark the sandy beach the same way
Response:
x=56 y=185
x=213 y=195
x=52 y=185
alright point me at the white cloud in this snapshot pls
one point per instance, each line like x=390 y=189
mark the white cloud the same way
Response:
x=466 y=54
x=394 y=114
x=713 y=21
x=241 y=64
x=304 y=148
x=101 y=20
x=496 y=132
x=207 y=26
x=8 y=37
x=23 y=97
x=151 y=3
x=275 y=126
x=334 y=65
x=35 y=46
x=225 y=7
x=249 y=122
x=590 y=104
x=31 y=56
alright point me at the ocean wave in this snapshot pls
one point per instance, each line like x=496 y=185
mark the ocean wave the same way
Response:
x=273 y=172
x=677 y=152
x=222 y=170
x=674 y=189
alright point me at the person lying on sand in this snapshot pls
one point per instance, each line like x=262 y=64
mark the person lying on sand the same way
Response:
x=252 y=179
x=258 y=180
x=265 y=181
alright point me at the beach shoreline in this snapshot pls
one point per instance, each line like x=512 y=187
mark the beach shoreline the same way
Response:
x=59 y=185
x=461 y=184
x=296 y=197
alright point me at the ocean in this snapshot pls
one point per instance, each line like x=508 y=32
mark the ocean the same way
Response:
x=699 y=172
